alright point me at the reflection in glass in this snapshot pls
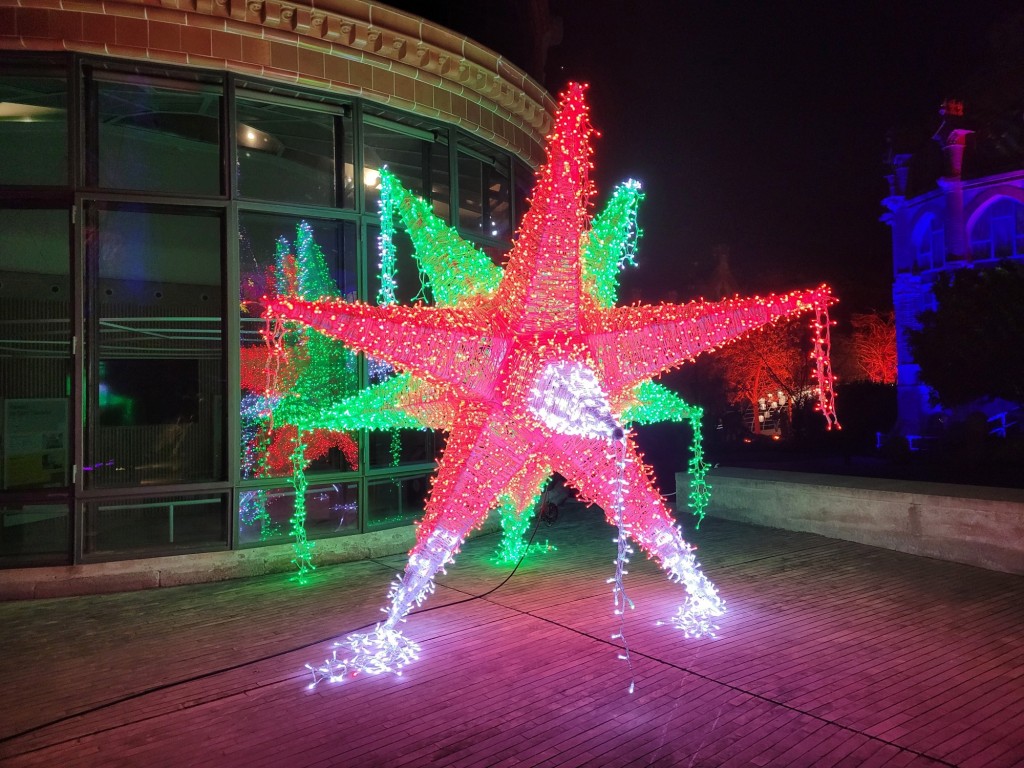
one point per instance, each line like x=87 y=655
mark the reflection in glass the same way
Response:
x=33 y=130
x=287 y=154
x=264 y=515
x=395 y=501
x=159 y=524
x=30 y=529
x=409 y=284
x=308 y=371
x=484 y=191
x=415 y=152
x=155 y=405
x=158 y=139
x=523 y=186
x=403 y=446
x=35 y=349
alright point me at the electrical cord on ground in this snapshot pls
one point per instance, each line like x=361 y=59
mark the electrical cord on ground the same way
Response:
x=249 y=662
x=240 y=665
x=156 y=689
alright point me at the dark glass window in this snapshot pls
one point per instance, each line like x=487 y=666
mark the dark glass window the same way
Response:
x=264 y=515
x=33 y=130
x=999 y=232
x=305 y=257
x=287 y=154
x=134 y=525
x=35 y=349
x=406 y=282
x=155 y=407
x=396 y=501
x=31 y=529
x=931 y=245
x=415 y=152
x=157 y=138
x=404 y=446
x=523 y=187
x=400 y=447
x=484 y=191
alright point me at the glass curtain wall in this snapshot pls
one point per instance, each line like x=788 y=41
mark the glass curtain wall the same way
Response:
x=35 y=384
x=155 y=415
x=134 y=396
x=36 y=307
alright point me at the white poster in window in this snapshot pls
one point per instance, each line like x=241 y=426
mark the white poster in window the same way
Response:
x=35 y=443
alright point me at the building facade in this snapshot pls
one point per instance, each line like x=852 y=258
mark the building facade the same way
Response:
x=155 y=154
x=954 y=210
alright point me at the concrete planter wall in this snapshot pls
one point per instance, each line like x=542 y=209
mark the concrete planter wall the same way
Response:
x=966 y=524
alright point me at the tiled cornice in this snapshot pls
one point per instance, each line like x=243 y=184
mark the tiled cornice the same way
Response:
x=347 y=46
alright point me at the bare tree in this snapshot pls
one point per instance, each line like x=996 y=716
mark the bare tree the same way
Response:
x=874 y=346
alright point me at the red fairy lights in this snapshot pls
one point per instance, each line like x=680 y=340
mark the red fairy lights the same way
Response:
x=536 y=376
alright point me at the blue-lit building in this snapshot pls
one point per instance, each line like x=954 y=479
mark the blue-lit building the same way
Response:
x=956 y=203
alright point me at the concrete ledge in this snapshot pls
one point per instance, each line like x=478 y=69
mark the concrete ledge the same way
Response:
x=176 y=570
x=976 y=525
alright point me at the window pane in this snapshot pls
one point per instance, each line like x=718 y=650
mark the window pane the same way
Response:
x=406 y=280
x=286 y=153
x=938 y=246
x=33 y=130
x=311 y=371
x=980 y=250
x=394 y=448
x=484 y=191
x=523 y=187
x=157 y=524
x=31 y=529
x=156 y=376
x=400 y=447
x=415 y=152
x=396 y=501
x=1002 y=234
x=440 y=181
x=35 y=349
x=264 y=516
x=158 y=139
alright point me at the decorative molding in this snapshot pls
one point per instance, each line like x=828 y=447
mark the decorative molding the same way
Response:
x=357 y=31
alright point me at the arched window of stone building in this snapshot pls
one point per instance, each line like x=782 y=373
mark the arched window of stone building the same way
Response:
x=929 y=244
x=999 y=231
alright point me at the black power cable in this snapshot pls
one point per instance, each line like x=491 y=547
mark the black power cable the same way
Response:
x=738 y=689
x=240 y=665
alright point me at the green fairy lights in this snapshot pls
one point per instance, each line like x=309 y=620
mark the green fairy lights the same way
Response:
x=316 y=399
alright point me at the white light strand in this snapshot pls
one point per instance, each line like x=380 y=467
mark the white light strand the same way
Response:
x=568 y=398
x=380 y=651
x=386 y=294
x=385 y=649
x=696 y=615
x=623 y=551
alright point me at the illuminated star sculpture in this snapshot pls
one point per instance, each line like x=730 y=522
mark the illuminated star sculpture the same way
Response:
x=534 y=376
x=455 y=270
x=320 y=402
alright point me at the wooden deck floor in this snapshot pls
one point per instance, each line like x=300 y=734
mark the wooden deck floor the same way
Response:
x=831 y=654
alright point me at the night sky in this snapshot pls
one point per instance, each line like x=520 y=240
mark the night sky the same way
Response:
x=760 y=126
